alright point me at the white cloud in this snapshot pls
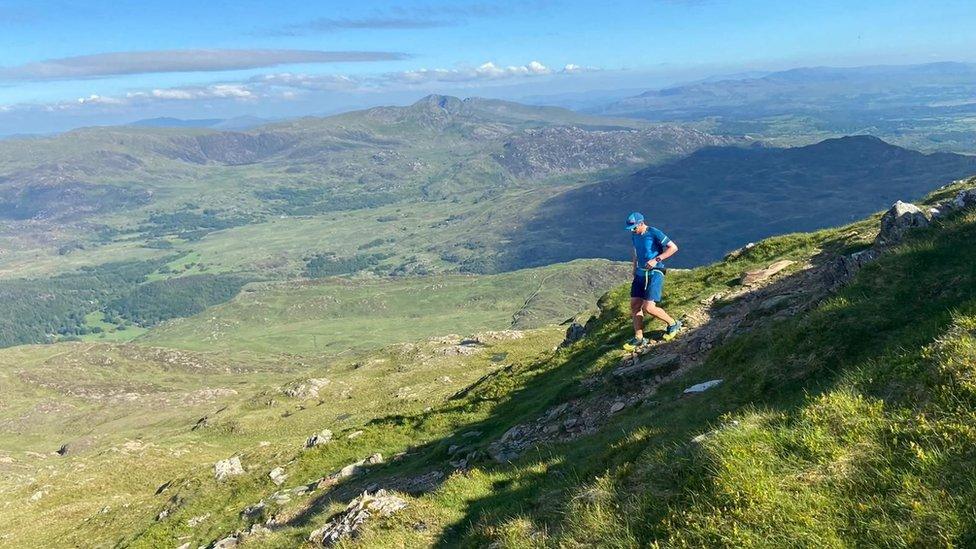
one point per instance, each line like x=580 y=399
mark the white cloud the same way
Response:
x=163 y=61
x=485 y=71
x=290 y=86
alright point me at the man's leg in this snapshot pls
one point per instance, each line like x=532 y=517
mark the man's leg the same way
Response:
x=638 y=315
x=652 y=309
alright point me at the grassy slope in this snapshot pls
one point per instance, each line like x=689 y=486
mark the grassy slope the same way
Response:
x=845 y=425
x=336 y=315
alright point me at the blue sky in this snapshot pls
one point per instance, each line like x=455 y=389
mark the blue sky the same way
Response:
x=66 y=63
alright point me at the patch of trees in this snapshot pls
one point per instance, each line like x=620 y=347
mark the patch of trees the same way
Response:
x=329 y=264
x=41 y=310
x=191 y=225
x=160 y=300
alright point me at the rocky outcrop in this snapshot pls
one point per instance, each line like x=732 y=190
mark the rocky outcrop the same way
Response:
x=227 y=468
x=307 y=389
x=322 y=437
x=901 y=218
x=750 y=278
x=574 y=333
x=360 y=510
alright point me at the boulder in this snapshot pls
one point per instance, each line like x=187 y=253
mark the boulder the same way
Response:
x=277 y=476
x=754 y=277
x=702 y=387
x=359 y=511
x=322 y=437
x=226 y=543
x=574 y=333
x=965 y=199
x=228 y=468
x=307 y=389
x=898 y=220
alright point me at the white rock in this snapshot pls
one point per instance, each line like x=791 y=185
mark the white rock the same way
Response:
x=702 y=387
x=278 y=476
x=617 y=406
x=354 y=434
x=358 y=511
x=322 y=437
x=227 y=468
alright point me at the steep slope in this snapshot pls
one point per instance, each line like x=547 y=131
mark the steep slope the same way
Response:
x=838 y=422
x=717 y=199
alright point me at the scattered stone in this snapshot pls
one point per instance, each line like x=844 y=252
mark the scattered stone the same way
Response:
x=193 y=522
x=308 y=389
x=898 y=220
x=965 y=199
x=322 y=437
x=253 y=510
x=227 y=468
x=617 y=406
x=735 y=254
x=663 y=363
x=774 y=302
x=278 y=476
x=760 y=275
x=574 y=333
x=353 y=469
x=184 y=546
x=347 y=523
x=354 y=434
x=702 y=387
x=162 y=514
x=226 y=543
x=36 y=496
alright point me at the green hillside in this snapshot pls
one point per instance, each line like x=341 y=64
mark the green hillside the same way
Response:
x=339 y=315
x=843 y=419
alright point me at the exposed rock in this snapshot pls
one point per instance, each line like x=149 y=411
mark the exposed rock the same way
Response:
x=353 y=469
x=774 y=302
x=754 y=277
x=278 y=476
x=347 y=523
x=702 y=387
x=616 y=407
x=226 y=543
x=228 y=468
x=193 y=522
x=322 y=437
x=735 y=254
x=902 y=217
x=574 y=333
x=354 y=434
x=965 y=199
x=307 y=389
x=663 y=363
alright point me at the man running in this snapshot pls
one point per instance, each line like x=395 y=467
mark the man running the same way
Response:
x=651 y=248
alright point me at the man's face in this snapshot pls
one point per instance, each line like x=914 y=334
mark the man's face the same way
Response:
x=641 y=228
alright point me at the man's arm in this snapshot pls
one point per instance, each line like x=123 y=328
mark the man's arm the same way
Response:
x=670 y=250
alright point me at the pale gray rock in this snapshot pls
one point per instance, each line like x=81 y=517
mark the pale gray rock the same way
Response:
x=901 y=218
x=322 y=437
x=360 y=510
x=277 y=476
x=227 y=468
x=702 y=387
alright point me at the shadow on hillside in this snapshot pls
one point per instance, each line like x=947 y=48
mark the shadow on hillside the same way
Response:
x=817 y=346
x=719 y=198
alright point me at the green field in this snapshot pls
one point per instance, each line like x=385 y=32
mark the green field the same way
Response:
x=331 y=316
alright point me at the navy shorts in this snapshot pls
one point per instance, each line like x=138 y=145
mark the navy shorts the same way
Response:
x=647 y=285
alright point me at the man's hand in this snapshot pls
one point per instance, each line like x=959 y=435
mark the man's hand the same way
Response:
x=651 y=263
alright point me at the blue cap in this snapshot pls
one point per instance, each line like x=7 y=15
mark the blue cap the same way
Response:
x=633 y=220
